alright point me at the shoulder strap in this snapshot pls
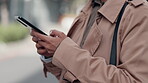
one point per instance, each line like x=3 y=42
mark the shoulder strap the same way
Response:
x=113 y=55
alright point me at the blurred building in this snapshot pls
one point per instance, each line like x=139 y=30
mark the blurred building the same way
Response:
x=39 y=12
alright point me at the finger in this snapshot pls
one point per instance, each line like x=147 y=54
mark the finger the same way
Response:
x=32 y=32
x=35 y=39
x=41 y=51
x=51 y=34
x=43 y=44
x=49 y=47
x=48 y=55
x=57 y=33
x=50 y=51
x=38 y=46
x=41 y=36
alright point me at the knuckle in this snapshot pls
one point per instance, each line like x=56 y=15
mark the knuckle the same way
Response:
x=62 y=34
x=34 y=39
x=38 y=45
x=38 y=51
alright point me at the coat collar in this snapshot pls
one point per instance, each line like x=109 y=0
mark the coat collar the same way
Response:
x=111 y=9
x=137 y=2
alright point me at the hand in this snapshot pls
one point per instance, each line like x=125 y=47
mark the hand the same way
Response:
x=40 y=49
x=51 y=42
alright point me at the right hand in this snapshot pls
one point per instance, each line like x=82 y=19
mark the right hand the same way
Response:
x=41 y=50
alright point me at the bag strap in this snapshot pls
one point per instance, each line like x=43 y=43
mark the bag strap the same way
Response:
x=113 y=55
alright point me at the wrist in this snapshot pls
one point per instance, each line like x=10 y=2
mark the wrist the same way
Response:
x=46 y=60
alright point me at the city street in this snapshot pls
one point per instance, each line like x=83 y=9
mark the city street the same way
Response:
x=19 y=63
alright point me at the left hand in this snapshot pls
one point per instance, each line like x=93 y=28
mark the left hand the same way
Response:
x=51 y=42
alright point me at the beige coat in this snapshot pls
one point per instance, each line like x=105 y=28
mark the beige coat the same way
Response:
x=90 y=64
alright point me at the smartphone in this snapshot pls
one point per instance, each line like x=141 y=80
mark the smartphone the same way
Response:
x=28 y=24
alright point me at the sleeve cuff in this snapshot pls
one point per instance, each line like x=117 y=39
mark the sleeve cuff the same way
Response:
x=69 y=77
x=45 y=60
x=63 y=56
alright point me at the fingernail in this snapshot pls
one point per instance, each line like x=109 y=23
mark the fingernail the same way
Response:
x=50 y=32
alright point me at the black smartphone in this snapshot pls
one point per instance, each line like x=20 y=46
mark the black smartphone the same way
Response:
x=28 y=24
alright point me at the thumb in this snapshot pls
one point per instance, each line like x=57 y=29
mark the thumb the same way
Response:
x=56 y=33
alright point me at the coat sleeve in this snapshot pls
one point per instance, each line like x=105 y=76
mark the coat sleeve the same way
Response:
x=80 y=65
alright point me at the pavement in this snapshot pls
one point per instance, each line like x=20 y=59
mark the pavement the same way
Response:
x=19 y=63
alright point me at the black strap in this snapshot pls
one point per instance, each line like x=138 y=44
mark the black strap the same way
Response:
x=113 y=56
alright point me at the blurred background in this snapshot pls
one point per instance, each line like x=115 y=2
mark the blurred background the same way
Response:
x=19 y=62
